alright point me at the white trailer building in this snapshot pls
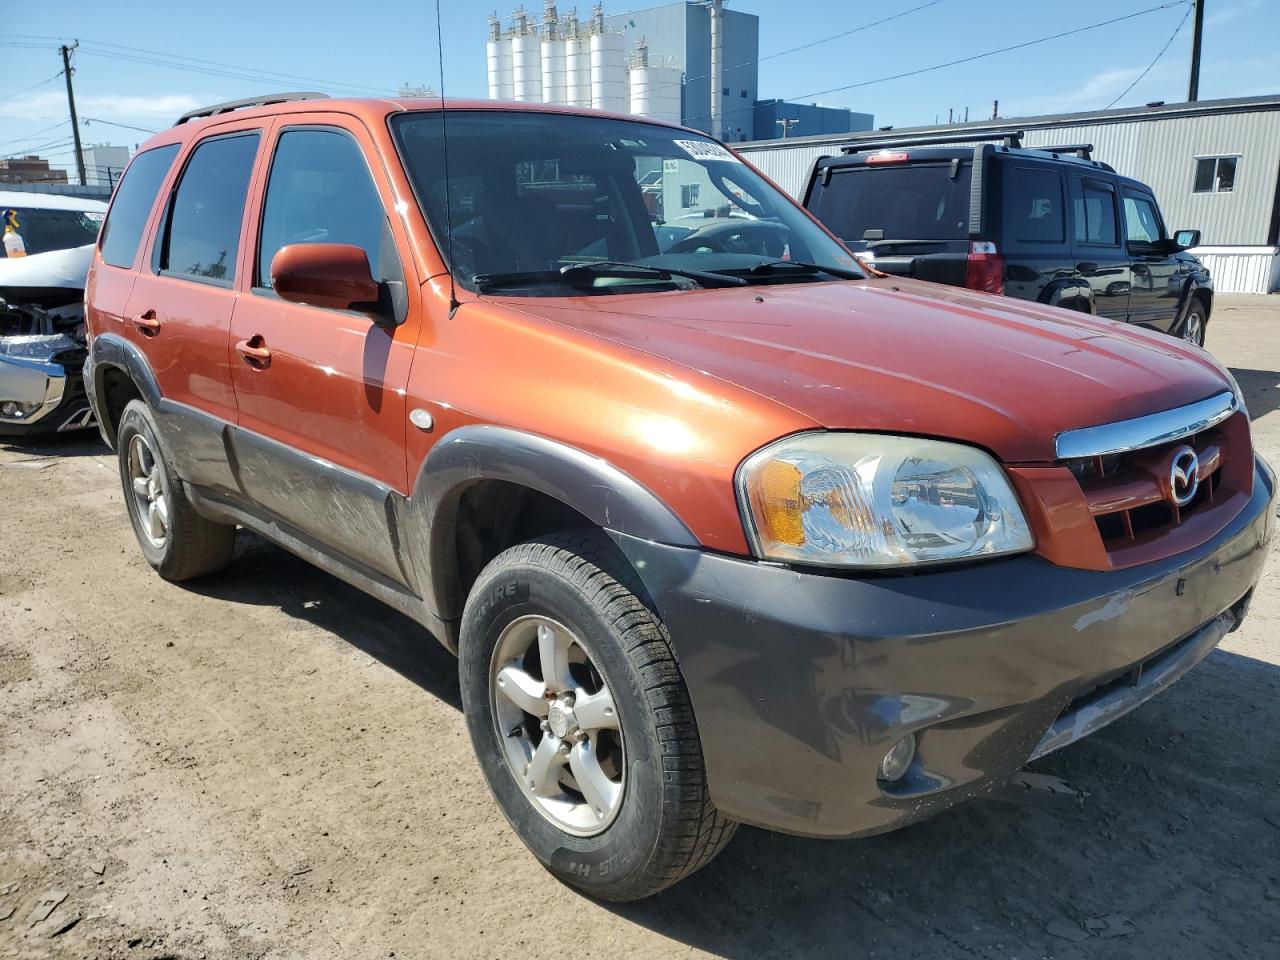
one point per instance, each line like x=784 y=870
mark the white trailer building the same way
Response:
x=1214 y=166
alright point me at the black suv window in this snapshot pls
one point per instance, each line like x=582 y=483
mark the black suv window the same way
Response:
x=1142 y=221
x=1095 y=214
x=122 y=232
x=919 y=201
x=320 y=191
x=202 y=235
x=1033 y=206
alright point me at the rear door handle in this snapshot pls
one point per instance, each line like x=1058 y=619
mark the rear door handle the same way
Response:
x=147 y=323
x=254 y=353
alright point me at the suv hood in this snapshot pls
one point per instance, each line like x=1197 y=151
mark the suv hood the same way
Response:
x=903 y=356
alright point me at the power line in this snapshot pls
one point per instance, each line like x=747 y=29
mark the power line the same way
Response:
x=982 y=56
x=1168 y=43
x=39 y=133
x=111 y=123
x=18 y=93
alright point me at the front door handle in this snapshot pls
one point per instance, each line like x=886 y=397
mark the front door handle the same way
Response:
x=254 y=353
x=147 y=323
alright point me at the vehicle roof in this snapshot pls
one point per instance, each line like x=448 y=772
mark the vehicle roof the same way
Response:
x=30 y=200
x=953 y=151
x=375 y=110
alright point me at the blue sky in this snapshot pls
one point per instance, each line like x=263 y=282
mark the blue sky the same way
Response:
x=382 y=44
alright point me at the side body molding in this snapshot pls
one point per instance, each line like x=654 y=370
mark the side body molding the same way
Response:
x=590 y=485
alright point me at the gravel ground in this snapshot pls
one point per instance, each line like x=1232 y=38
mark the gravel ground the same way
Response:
x=268 y=764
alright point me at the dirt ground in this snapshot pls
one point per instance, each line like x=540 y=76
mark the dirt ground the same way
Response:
x=266 y=764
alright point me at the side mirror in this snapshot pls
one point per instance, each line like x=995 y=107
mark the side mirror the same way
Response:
x=1184 y=239
x=333 y=275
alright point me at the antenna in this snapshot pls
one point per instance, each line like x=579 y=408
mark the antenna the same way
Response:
x=448 y=194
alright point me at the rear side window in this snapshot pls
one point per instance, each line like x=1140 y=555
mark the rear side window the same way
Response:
x=320 y=191
x=1033 y=206
x=122 y=232
x=1095 y=215
x=202 y=235
x=919 y=201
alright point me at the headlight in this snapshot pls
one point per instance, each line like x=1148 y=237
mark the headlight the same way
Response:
x=38 y=346
x=869 y=500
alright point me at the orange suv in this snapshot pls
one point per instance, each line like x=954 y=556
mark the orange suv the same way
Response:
x=722 y=526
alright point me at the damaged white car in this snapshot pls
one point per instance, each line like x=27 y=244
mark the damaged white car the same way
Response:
x=47 y=245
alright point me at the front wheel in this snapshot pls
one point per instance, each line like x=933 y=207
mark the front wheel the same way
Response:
x=581 y=721
x=1193 y=327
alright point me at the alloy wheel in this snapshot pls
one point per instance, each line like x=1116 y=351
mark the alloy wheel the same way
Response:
x=150 y=490
x=558 y=725
x=1193 y=329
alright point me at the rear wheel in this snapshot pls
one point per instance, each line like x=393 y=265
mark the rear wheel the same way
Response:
x=1193 y=327
x=581 y=721
x=178 y=542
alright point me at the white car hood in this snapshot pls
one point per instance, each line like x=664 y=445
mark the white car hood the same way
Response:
x=63 y=269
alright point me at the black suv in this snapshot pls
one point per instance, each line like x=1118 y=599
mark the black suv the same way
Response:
x=1049 y=224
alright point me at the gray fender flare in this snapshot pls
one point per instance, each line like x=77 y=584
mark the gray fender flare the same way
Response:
x=604 y=494
x=112 y=350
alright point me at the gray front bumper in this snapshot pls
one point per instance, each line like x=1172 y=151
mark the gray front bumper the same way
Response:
x=801 y=681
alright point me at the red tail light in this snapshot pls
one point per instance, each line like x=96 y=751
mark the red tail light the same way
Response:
x=884 y=156
x=984 y=270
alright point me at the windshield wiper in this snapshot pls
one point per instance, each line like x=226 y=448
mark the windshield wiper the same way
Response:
x=581 y=276
x=767 y=268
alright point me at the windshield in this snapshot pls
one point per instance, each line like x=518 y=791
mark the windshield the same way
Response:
x=532 y=195
x=41 y=231
x=915 y=202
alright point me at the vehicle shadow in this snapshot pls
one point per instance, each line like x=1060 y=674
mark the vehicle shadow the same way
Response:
x=1169 y=844
x=264 y=574
x=1261 y=390
x=80 y=443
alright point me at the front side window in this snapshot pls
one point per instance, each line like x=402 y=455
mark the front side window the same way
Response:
x=534 y=198
x=1216 y=174
x=122 y=233
x=1095 y=215
x=202 y=234
x=1033 y=206
x=1142 y=221
x=320 y=191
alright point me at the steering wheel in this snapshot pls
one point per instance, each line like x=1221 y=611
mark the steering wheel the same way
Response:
x=695 y=244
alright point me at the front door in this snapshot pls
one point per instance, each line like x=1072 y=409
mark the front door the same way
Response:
x=322 y=418
x=1157 y=279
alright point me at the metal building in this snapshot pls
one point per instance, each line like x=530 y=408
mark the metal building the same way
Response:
x=1214 y=166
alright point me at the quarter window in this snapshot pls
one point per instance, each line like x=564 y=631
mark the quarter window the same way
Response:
x=1216 y=174
x=1095 y=215
x=135 y=196
x=1034 y=206
x=202 y=237
x=320 y=191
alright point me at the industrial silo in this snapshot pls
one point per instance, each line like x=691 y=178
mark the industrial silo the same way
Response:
x=553 y=56
x=655 y=86
x=498 y=51
x=526 y=60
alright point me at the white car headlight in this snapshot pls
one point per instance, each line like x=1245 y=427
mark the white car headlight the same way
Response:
x=871 y=500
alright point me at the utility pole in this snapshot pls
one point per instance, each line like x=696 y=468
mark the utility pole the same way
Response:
x=71 y=104
x=786 y=126
x=995 y=109
x=1193 y=88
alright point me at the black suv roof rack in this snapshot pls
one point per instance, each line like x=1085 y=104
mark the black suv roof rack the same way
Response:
x=260 y=101
x=1011 y=138
x=1082 y=150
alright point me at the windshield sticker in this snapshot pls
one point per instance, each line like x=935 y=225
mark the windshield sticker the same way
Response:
x=705 y=150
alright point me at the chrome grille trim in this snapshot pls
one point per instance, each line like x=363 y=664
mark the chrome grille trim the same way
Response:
x=1152 y=430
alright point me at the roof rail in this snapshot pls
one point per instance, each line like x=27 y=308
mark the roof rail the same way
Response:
x=1082 y=150
x=260 y=101
x=1011 y=138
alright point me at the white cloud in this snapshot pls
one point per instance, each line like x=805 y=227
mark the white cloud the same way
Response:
x=106 y=106
x=1231 y=12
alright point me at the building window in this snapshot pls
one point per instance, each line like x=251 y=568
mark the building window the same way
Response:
x=743 y=94
x=726 y=91
x=1216 y=174
x=689 y=195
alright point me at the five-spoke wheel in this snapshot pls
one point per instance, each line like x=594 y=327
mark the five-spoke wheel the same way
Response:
x=149 y=487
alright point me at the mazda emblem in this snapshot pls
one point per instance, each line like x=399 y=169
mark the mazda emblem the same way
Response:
x=1184 y=477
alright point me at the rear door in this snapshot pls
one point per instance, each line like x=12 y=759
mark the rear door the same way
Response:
x=1034 y=228
x=321 y=442
x=181 y=304
x=1157 y=276
x=905 y=217
x=1098 y=245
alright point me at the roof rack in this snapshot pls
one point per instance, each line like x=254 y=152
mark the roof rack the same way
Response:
x=1011 y=138
x=260 y=101
x=1082 y=150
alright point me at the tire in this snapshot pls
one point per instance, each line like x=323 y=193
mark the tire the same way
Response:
x=663 y=825
x=182 y=545
x=1195 y=323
